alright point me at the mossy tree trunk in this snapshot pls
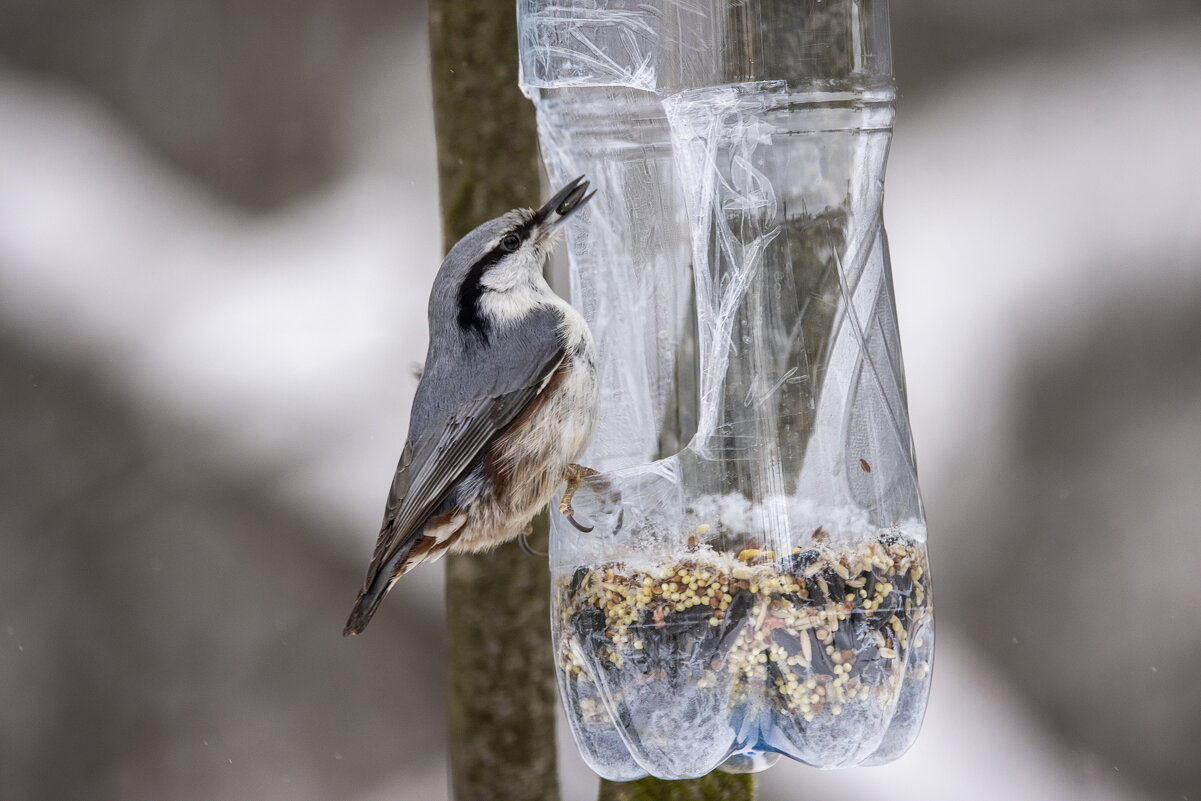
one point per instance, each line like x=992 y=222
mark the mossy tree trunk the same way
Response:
x=716 y=786
x=502 y=696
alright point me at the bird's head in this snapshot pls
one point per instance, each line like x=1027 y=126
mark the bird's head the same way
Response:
x=494 y=273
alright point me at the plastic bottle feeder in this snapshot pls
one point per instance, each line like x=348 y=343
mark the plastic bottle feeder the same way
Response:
x=756 y=581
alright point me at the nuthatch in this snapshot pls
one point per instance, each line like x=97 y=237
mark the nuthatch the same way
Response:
x=505 y=405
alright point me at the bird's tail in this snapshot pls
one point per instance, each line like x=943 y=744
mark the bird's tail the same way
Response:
x=366 y=604
x=380 y=579
x=428 y=543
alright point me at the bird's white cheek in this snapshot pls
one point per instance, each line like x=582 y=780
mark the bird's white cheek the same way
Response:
x=511 y=304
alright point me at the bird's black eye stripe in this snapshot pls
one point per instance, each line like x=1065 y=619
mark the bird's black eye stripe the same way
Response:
x=472 y=286
x=469 y=295
x=523 y=231
x=510 y=242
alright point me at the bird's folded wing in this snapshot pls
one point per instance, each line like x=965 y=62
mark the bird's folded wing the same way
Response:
x=421 y=486
x=448 y=447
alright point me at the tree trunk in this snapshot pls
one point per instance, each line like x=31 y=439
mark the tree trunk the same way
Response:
x=502 y=721
x=717 y=786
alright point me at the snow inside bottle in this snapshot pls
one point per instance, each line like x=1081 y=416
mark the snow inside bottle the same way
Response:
x=756 y=582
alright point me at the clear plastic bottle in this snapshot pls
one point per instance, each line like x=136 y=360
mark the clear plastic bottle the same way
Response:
x=756 y=582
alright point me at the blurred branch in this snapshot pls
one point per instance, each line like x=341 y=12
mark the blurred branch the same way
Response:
x=502 y=722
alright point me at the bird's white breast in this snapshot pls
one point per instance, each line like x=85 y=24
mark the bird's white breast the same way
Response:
x=578 y=391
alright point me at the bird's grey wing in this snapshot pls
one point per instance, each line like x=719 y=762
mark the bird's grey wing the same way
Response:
x=474 y=400
x=440 y=460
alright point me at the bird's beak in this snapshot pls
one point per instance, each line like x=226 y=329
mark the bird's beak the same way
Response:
x=566 y=202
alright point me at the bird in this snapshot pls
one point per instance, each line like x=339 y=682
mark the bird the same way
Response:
x=505 y=404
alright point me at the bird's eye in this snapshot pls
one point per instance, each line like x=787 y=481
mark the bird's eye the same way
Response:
x=510 y=242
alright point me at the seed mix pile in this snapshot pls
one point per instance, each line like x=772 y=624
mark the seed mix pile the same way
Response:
x=814 y=631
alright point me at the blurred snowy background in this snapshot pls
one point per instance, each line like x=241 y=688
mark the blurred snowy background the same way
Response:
x=218 y=228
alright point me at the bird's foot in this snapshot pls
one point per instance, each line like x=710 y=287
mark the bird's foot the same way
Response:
x=523 y=541
x=574 y=476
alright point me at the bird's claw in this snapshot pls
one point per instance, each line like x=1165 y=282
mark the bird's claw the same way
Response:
x=579 y=526
x=574 y=476
x=523 y=542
